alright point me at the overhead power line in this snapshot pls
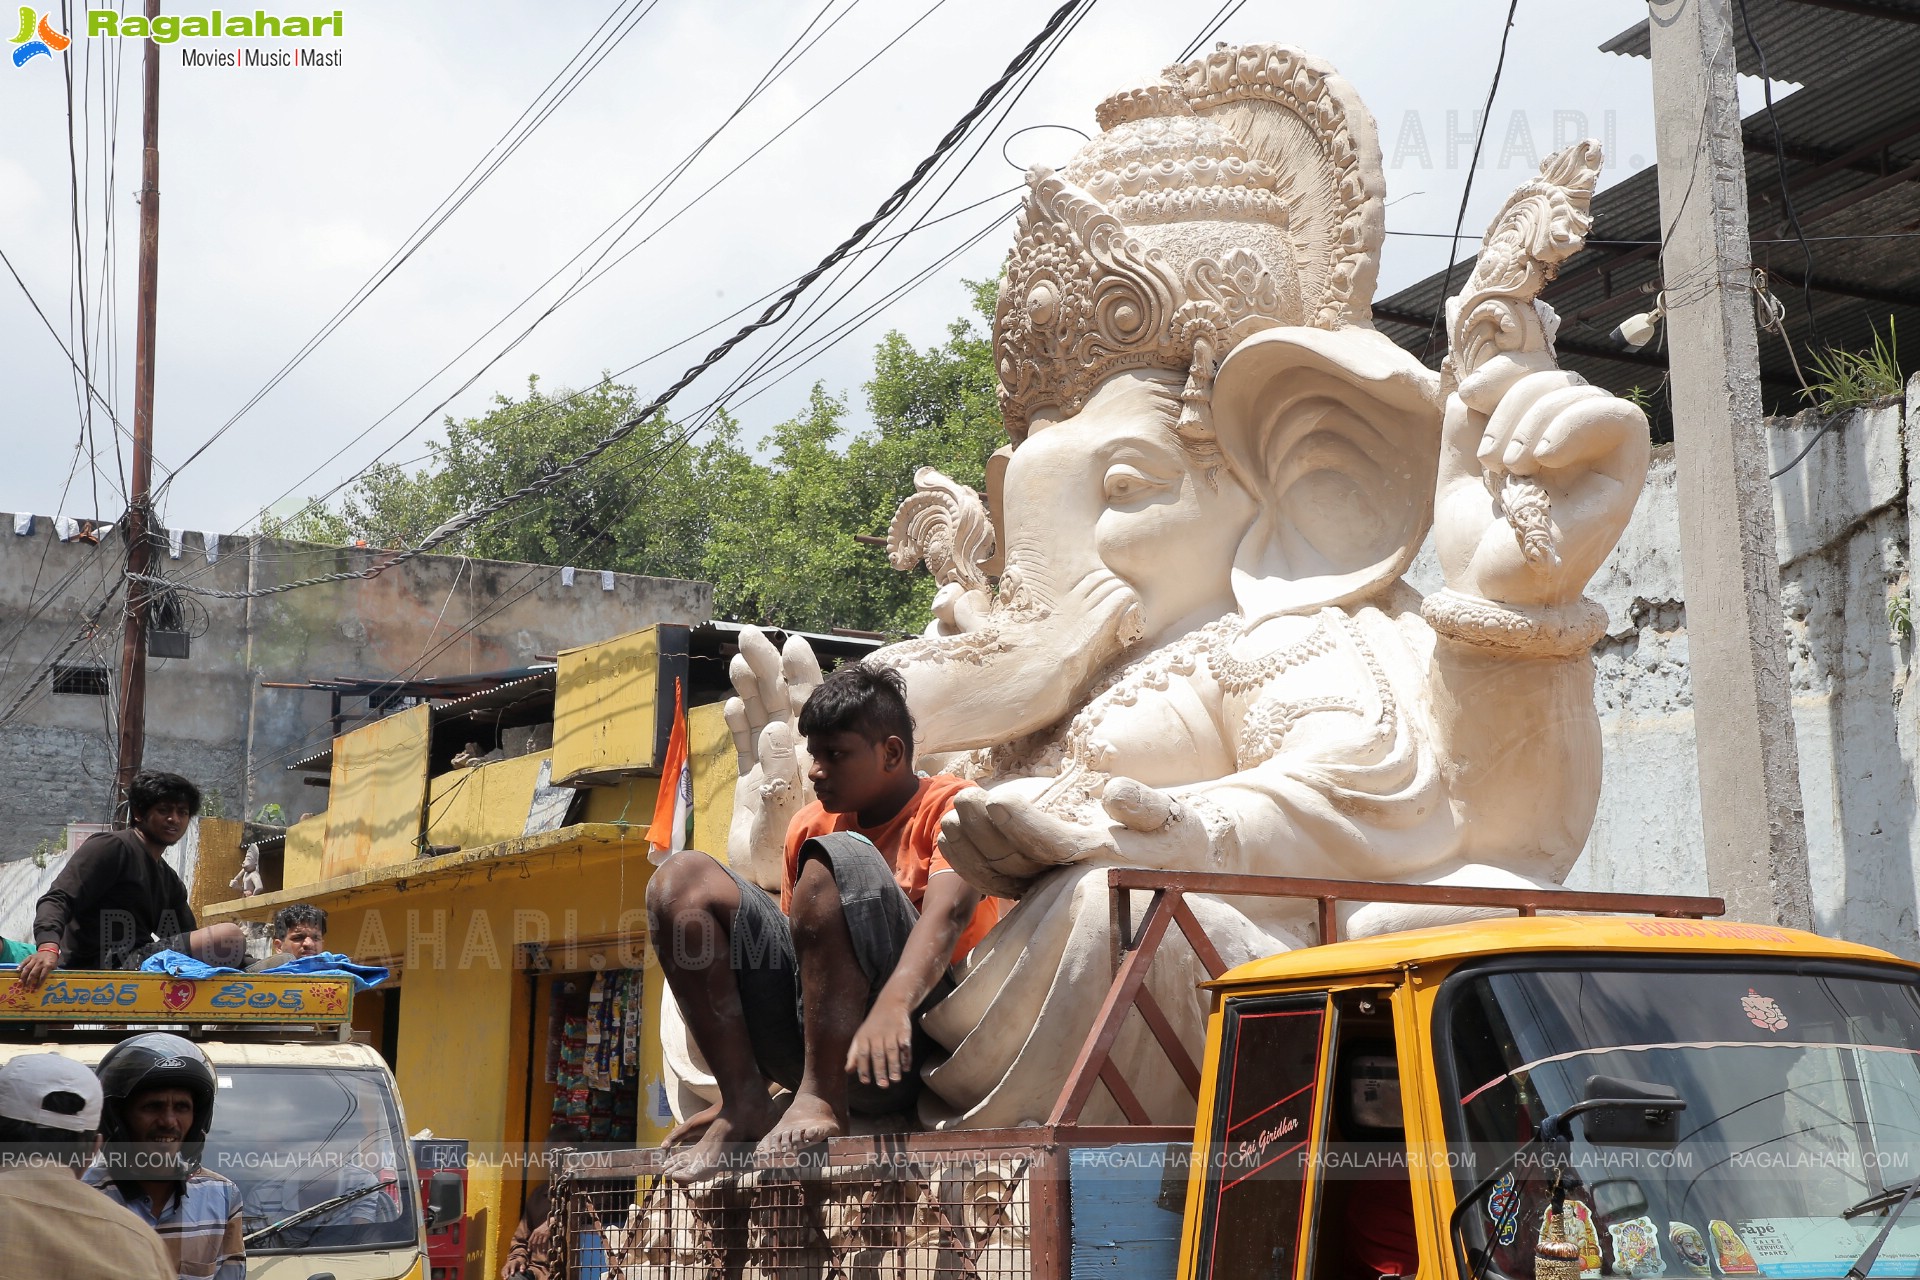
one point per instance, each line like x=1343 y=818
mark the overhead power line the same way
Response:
x=613 y=233
x=598 y=268
x=772 y=315
x=1466 y=192
x=92 y=391
x=583 y=63
x=775 y=358
x=1220 y=19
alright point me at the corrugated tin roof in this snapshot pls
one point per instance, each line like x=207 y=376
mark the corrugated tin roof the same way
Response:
x=321 y=761
x=527 y=699
x=1852 y=142
x=525 y=691
x=1804 y=42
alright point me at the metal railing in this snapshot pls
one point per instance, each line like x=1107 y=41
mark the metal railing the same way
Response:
x=1136 y=948
x=983 y=1204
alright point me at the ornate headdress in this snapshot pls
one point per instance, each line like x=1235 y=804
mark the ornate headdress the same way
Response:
x=1242 y=192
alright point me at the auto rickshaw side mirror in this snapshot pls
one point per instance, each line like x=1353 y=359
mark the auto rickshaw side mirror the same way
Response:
x=446 y=1199
x=1631 y=1113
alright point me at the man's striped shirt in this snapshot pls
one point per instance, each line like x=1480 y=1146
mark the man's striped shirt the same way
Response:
x=200 y=1226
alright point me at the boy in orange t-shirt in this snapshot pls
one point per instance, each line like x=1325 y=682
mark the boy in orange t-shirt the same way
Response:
x=823 y=991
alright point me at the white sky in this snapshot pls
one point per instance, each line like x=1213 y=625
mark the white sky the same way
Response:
x=284 y=189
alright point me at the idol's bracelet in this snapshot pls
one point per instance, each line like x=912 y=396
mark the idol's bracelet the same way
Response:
x=1532 y=631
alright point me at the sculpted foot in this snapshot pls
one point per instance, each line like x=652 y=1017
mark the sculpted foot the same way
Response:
x=725 y=1141
x=809 y=1122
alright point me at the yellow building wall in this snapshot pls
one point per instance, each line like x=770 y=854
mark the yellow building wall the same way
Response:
x=629 y=803
x=455 y=1065
x=461 y=1048
x=468 y=808
x=604 y=707
x=219 y=861
x=716 y=771
x=377 y=793
x=306 y=852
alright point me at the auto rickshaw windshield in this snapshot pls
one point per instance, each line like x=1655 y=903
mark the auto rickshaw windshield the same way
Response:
x=1801 y=1096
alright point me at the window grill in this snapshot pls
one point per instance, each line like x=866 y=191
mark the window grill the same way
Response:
x=903 y=1211
x=73 y=679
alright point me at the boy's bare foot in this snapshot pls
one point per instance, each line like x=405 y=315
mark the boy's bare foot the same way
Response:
x=809 y=1122
x=728 y=1136
x=692 y=1127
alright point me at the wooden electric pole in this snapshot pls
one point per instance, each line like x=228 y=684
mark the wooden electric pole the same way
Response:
x=133 y=641
x=1756 y=840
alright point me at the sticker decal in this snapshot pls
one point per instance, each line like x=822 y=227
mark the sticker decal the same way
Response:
x=1763 y=1011
x=1502 y=1206
x=1636 y=1248
x=1690 y=1246
x=1577 y=1222
x=1730 y=1253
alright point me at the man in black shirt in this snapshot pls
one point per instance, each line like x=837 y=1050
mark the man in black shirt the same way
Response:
x=116 y=902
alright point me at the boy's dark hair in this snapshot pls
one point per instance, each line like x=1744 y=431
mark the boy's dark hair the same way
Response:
x=300 y=913
x=24 y=1145
x=150 y=788
x=862 y=698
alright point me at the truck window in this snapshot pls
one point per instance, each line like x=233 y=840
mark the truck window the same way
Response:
x=1266 y=1123
x=1366 y=1196
x=293 y=1138
x=1801 y=1086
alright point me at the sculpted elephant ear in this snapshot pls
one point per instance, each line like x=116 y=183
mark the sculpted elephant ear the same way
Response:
x=1337 y=435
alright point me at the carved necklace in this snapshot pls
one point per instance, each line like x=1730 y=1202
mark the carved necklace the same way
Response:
x=1239 y=675
x=1085 y=759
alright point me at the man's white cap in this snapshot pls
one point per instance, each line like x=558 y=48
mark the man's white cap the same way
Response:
x=30 y=1086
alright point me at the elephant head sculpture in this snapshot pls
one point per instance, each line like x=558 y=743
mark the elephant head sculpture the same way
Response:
x=1314 y=488
x=1202 y=653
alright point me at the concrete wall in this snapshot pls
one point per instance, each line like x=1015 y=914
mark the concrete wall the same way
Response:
x=207 y=716
x=1844 y=520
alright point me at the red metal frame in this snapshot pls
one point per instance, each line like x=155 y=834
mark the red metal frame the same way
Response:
x=1134 y=952
x=1046 y=1148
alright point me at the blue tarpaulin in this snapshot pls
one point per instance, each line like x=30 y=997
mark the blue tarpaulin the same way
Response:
x=328 y=964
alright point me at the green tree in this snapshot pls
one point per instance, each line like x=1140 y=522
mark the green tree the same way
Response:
x=645 y=506
x=785 y=553
x=775 y=535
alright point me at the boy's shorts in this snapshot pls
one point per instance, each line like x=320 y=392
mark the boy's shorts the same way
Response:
x=879 y=918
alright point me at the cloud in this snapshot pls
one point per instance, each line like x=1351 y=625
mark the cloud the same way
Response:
x=284 y=190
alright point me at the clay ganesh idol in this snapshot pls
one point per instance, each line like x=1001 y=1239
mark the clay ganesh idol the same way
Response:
x=1201 y=652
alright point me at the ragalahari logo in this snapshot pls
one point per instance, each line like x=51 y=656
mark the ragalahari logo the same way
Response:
x=36 y=36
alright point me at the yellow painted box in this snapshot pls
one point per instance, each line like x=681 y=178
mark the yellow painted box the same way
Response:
x=123 y=996
x=613 y=703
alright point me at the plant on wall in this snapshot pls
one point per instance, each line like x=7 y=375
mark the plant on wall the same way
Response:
x=1847 y=379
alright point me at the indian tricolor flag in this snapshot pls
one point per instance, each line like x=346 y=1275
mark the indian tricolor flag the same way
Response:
x=672 y=828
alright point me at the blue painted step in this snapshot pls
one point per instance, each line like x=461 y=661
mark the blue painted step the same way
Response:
x=1123 y=1228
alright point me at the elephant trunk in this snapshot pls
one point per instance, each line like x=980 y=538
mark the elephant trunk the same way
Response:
x=1029 y=663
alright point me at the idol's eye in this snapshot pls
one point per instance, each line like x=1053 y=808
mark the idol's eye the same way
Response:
x=1126 y=483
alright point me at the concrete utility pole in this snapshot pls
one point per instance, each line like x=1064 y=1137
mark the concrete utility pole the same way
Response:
x=133 y=638
x=1749 y=766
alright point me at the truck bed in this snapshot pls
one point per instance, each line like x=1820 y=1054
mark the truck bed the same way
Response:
x=1044 y=1203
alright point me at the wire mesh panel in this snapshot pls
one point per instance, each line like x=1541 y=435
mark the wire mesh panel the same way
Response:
x=897 y=1214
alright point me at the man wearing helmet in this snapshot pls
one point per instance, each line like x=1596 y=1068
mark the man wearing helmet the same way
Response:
x=156 y=1110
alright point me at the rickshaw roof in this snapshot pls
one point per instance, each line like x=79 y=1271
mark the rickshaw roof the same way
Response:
x=1450 y=943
